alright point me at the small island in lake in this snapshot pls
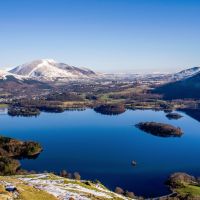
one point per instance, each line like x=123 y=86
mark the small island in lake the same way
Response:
x=23 y=111
x=173 y=116
x=110 y=109
x=160 y=129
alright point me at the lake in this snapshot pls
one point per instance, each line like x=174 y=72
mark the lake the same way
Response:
x=102 y=147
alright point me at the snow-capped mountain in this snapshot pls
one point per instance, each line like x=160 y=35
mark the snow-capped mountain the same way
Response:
x=50 y=70
x=186 y=73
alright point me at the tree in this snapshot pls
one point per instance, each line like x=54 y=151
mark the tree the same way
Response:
x=129 y=194
x=119 y=190
x=77 y=176
x=63 y=173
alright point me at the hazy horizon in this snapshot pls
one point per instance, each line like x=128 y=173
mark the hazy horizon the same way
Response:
x=106 y=36
x=134 y=71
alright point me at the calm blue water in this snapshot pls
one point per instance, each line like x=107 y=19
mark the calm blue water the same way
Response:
x=102 y=147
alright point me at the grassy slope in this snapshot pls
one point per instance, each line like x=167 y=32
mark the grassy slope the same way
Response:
x=25 y=192
x=28 y=191
x=191 y=190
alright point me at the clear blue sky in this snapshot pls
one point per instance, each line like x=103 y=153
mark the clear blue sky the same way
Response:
x=105 y=35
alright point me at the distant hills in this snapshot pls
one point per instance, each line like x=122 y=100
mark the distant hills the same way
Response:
x=45 y=73
x=184 y=88
x=48 y=70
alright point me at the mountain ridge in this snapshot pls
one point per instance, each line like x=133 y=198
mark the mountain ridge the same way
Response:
x=186 y=73
x=50 y=70
x=185 y=88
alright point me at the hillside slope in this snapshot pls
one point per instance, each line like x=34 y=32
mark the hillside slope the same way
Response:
x=51 y=187
x=187 y=88
x=186 y=73
x=11 y=84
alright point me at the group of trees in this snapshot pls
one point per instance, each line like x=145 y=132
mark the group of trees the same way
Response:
x=126 y=193
x=29 y=106
x=14 y=148
x=8 y=166
x=74 y=175
x=64 y=96
x=23 y=111
x=110 y=109
x=11 y=149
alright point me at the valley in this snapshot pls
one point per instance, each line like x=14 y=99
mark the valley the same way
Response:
x=39 y=86
x=62 y=106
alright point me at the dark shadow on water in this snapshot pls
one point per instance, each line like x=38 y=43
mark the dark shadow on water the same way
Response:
x=194 y=113
x=33 y=157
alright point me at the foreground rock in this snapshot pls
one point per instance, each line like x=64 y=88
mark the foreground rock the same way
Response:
x=160 y=129
x=173 y=116
x=51 y=187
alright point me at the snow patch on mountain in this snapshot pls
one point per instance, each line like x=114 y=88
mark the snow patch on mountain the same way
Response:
x=50 y=70
x=186 y=73
x=4 y=75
